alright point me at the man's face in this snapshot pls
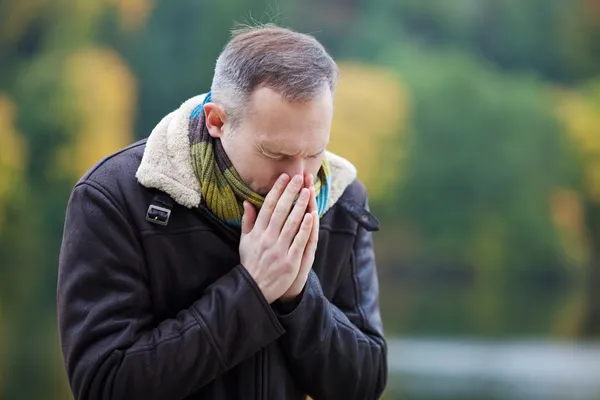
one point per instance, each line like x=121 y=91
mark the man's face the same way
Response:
x=275 y=137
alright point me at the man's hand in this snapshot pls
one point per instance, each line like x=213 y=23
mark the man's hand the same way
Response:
x=309 y=253
x=272 y=246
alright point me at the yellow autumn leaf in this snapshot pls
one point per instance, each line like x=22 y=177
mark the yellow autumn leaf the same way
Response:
x=581 y=117
x=13 y=154
x=133 y=13
x=371 y=108
x=104 y=96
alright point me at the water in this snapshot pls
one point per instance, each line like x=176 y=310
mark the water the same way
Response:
x=465 y=341
x=454 y=369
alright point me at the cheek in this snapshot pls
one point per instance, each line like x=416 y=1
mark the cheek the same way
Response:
x=313 y=166
x=261 y=172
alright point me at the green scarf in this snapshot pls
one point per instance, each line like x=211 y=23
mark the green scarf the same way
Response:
x=223 y=191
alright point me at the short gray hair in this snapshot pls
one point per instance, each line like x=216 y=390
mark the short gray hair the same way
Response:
x=293 y=64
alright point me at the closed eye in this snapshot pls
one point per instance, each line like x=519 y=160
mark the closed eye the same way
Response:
x=279 y=158
x=273 y=158
x=319 y=154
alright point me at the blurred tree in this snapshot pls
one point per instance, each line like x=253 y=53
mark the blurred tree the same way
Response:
x=566 y=208
x=16 y=18
x=580 y=113
x=485 y=154
x=103 y=96
x=133 y=14
x=13 y=157
x=371 y=109
x=558 y=39
x=331 y=22
x=12 y=189
x=50 y=69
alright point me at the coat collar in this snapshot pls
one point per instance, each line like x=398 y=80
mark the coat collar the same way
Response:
x=167 y=165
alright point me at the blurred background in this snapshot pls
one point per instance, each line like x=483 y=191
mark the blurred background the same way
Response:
x=475 y=125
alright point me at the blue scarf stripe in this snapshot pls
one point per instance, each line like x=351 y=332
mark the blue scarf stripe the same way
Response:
x=323 y=196
x=197 y=111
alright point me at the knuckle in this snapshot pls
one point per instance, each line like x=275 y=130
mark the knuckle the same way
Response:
x=265 y=241
x=268 y=206
x=287 y=266
x=272 y=257
x=276 y=252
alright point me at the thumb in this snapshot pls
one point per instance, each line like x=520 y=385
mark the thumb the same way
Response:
x=248 y=218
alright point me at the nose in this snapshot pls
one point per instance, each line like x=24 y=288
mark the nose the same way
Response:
x=294 y=167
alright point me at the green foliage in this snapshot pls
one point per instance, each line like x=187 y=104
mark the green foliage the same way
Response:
x=557 y=39
x=485 y=156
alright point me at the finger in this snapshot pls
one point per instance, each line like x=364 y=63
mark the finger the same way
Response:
x=292 y=224
x=313 y=200
x=308 y=181
x=284 y=205
x=308 y=257
x=249 y=218
x=264 y=216
x=313 y=241
x=297 y=248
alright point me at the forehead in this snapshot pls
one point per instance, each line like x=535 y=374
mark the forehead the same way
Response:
x=281 y=125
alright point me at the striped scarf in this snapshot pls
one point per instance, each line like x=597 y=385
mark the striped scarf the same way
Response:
x=223 y=191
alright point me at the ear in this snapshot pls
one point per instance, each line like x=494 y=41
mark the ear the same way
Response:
x=215 y=119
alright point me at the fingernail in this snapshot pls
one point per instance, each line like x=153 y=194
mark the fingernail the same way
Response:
x=282 y=178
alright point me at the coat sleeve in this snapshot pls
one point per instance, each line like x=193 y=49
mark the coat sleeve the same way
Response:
x=112 y=346
x=337 y=349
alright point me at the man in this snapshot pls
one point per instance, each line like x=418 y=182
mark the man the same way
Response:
x=229 y=255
